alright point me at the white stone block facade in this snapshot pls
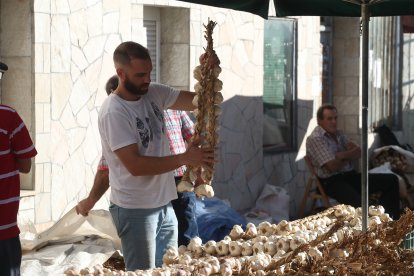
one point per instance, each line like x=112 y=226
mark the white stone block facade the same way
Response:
x=60 y=56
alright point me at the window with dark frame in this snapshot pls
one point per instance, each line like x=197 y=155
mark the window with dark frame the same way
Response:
x=279 y=85
x=384 y=89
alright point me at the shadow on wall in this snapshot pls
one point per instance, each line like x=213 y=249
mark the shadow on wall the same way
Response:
x=239 y=176
x=243 y=168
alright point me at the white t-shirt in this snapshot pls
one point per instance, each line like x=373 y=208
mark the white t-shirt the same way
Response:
x=122 y=123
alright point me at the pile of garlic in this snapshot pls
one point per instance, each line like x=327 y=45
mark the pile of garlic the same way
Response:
x=257 y=247
x=326 y=243
x=207 y=102
x=325 y=238
x=397 y=160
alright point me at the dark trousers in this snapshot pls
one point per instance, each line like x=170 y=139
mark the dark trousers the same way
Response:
x=184 y=207
x=346 y=189
x=10 y=257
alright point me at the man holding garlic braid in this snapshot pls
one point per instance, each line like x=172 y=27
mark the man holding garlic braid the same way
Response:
x=135 y=146
x=332 y=154
x=180 y=129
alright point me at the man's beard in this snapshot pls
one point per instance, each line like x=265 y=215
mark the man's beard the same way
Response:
x=133 y=89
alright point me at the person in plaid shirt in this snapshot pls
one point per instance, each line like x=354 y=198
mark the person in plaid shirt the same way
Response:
x=180 y=129
x=332 y=154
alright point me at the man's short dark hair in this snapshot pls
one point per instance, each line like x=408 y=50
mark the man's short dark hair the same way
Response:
x=129 y=50
x=111 y=84
x=319 y=113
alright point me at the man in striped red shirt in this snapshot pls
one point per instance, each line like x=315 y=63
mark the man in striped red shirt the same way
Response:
x=16 y=149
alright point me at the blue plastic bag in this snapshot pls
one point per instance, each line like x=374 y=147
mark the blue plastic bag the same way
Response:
x=215 y=219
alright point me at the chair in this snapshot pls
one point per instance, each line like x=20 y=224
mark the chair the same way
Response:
x=311 y=192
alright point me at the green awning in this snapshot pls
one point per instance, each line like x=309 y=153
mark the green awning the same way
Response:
x=258 y=7
x=341 y=8
x=312 y=7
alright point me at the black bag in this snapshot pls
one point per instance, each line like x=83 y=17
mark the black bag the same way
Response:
x=388 y=138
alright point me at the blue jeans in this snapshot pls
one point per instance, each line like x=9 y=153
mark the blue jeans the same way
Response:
x=10 y=257
x=145 y=234
x=184 y=207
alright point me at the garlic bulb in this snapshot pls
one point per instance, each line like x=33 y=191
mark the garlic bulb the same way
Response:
x=204 y=190
x=218 y=98
x=236 y=232
x=258 y=247
x=235 y=248
x=265 y=228
x=182 y=249
x=385 y=217
x=170 y=256
x=197 y=74
x=251 y=230
x=217 y=110
x=376 y=210
x=185 y=186
x=341 y=212
x=283 y=244
x=375 y=220
x=295 y=228
x=210 y=247
x=227 y=238
x=260 y=261
x=206 y=270
x=216 y=71
x=296 y=242
x=198 y=88
x=284 y=228
x=280 y=253
x=196 y=113
x=218 y=85
x=184 y=259
x=247 y=249
x=343 y=233
x=222 y=247
x=301 y=257
x=225 y=269
x=270 y=248
x=310 y=225
x=194 y=243
x=195 y=100
x=357 y=221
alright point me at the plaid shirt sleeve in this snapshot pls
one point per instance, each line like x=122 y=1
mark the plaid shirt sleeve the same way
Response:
x=318 y=151
x=187 y=128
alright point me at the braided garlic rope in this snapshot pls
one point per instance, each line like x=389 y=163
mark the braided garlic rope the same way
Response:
x=207 y=100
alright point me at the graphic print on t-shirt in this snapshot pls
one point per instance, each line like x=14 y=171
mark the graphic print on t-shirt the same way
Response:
x=153 y=126
x=159 y=114
x=143 y=133
x=150 y=124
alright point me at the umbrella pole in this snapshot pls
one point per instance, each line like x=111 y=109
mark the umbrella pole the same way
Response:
x=364 y=137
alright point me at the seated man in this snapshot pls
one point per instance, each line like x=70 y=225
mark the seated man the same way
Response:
x=332 y=153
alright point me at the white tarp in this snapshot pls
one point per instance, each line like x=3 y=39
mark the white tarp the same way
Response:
x=74 y=241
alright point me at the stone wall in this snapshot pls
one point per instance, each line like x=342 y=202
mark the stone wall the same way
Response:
x=16 y=51
x=70 y=58
x=346 y=53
